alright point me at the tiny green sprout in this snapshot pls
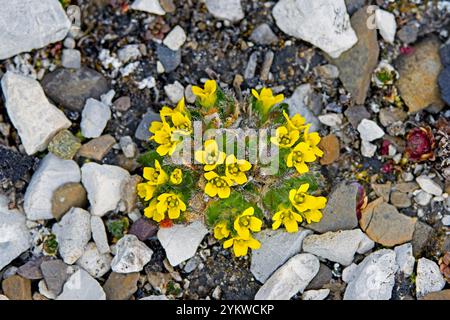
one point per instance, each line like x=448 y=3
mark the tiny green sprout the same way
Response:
x=50 y=245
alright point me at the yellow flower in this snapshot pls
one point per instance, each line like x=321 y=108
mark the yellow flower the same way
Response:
x=245 y=223
x=221 y=230
x=240 y=245
x=313 y=139
x=217 y=185
x=165 y=138
x=146 y=190
x=303 y=201
x=266 y=99
x=152 y=213
x=181 y=108
x=155 y=176
x=171 y=204
x=297 y=122
x=285 y=138
x=288 y=217
x=181 y=124
x=176 y=177
x=235 y=169
x=211 y=157
x=314 y=214
x=208 y=95
x=299 y=155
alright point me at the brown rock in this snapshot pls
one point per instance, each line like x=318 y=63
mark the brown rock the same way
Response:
x=355 y=114
x=331 y=148
x=17 y=288
x=129 y=194
x=400 y=199
x=121 y=286
x=66 y=197
x=441 y=295
x=406 y=187
x=97 y=148
x=422 y=238
x=168 y=6
x=389 y=116
x=419 y=72
x=385 y=225
x=122 y=104
x=32 y=269
x=143 y=228
x=383 y=190
x=357 y=64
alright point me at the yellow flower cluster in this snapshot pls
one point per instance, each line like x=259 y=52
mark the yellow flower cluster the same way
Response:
x=265 y=100
x=302 y=206
x=303 y=145
x=241 y=234
x=167 y=204
x=168 y=132
x=207 y=96
x=215 y=162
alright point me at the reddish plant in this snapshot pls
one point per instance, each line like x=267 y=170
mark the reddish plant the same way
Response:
x=420 y=144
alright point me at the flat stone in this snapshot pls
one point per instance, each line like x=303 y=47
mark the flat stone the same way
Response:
x=225 y=9
x=276 y=248
x=175 y=39
x=369 y=130
x=355 y=114
x=368 y=149
x=15 y=237
x=142 y=131
x=150 y=6
x=428 y=185
x=94 y=118
x=299 y=104
x=99 y=234
x=73 y=233
x=374 y=277
x=354 y=5
x=322 y=278
x=94 y=262
x=405 y=259
x=331 y=149
x=64 y=145
x=444 y=85
x=121 y=286
x=28 y=25
x=169 y=59
x=357 y=64
x=293 y=277
x=321 y=294
x=128 y=53
x=441 y=295
x=429 y=279
x=67 y=196
x=333 y=120
x=323 y=23
x=35 y=118
x=143 y=229
x=408 y=33
x=71 y=59
x=339 y=246
x=383 y=190
x=422 y=236
x=51 y=174
x=327 y=71
x=71 y=88
x=406 y=187
x=81 y=286
x=32 y=269
x=174 y=91
x=129 y=194
x=385 y=225
x=132 y=255
x=263 y=35
x=400 y=199
x=17 y=288
x=103 y=185
x=55 y=275
x=97 y=148
x=389 y=116
x=180 y=242
x=122 y=104
x=418 y=84
x=340 y=211
x=386 y=24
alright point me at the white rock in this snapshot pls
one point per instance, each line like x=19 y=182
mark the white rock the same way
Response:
x=429 y=279
x=52 y=173
x=316 y=294
x=128 y=147
x=34 y=117
x=369 y=130
x=323 y=23
x=276 y=248
x=294 y=276
x=365 y=245
x=374 y=277
x=73 y=233
x=385 y=22
x=405 y=259
x=174 y=91
x=94 y=262
x=26 y=25
x=226 y=9
x=429 y=186
x=103 y=185
x=423 y=198
x=71 y=58
x=339 y=246
x=108 y=97
x=4 y=298
x=368 y=149
x=175 y=39
x=181 y=242
x=331 y=119
x=99 y=234
x=94 y=118
x=298 y=104
x=348 y=274
x=128 y=53
x=153 y=297
x=132 y=255
x=81 y=286
x=150 y=6
x=446 y=220
x=14 y=235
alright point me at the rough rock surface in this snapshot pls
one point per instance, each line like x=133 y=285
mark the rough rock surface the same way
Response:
x=226 y=9
x=429 y=279
x=81 y=286
x=95 y=262
x=132 y=255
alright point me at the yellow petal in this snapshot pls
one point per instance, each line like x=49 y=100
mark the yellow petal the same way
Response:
x=210 y=175
x=228 y=243
x=224 y=192
x=211 y=190
x=240 y=249
x=255 y=224
x=253 y=243
x=291 y=225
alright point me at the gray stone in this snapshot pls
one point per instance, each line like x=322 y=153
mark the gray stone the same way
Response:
x=128 y=147
x=175 y=39
x=132 y=255
x=323 y=23
x=421 y=238
x=355 y=114
x=225 y=9
x=174 y=91
x=405 y=259
x=428 y=185
x=71 y=59
x=299 y=104
x=429 y=279
x=142 y=132
x=128 y=53
x=169 y=59
x=81 y=286
x=71 y=88
x=150 y=6
x=369 y=130
x=276 y=248
x=444 y=85
x=263 y=35
x=374 y=277
x=354 y=5
x=95 y=262
x=51 y=174
x=73 y=233
x=408 y=33
x=15 y=237
x=289 y=279
x=99 y=234
x=32 y=269
x=28 y=25
x=94 y=118
x=321 y=294
x=386 y=24
x=55 y=274
x=181 y=242
x=29 y=110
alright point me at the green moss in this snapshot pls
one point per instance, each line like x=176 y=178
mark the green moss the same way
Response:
x=118 y=228
x=51 y=245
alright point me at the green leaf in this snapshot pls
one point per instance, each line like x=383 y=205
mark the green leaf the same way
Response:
x=148 y=159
